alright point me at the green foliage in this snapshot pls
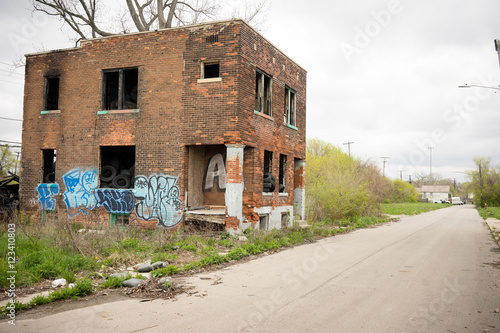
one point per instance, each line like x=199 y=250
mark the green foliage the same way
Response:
x=485 y=182
x=490 y=212
x=7 y=160
x=114 y=282
x=411 y=208
x=403 y=192
x=339 y=186
x=169 y=270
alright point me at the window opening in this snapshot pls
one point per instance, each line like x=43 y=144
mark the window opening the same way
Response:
x=282 y=174
x=51 y=93
x=285 y=218
x=119 y=220
x=211 y=70
x=269 y=183
x=49 y=165
x=212 y=39
x=263 y=225
x=120 y=89
x=290 y=107
x=117 y=166
x=263 y=93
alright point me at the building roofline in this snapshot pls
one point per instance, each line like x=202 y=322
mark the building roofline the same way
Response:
x=160 y=30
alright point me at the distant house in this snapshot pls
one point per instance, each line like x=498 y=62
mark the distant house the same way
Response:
x=434 y=193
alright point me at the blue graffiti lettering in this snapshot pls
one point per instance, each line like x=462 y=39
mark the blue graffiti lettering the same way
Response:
x=158 y=198
x=115 y=200
x=46 y=194
x=79 y=191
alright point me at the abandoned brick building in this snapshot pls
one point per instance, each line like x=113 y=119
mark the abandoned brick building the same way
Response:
x=197 y=123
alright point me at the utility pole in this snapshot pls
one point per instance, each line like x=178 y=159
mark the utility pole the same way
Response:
x=401 y=174
x=349 y=143
x=384 y=158
x=409 y=179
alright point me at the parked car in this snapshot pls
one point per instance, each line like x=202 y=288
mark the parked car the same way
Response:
x=457 y=201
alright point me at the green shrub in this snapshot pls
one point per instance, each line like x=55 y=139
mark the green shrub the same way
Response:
x=169 y=270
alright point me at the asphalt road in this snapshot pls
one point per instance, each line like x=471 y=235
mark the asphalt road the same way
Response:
x=435 y=272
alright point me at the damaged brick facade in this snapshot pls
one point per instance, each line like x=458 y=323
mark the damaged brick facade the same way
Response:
x=202 y=123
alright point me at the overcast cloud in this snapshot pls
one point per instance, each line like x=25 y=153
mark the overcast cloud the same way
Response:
x=383 y=74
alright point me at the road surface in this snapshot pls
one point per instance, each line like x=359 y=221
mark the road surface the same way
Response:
x=435 y=272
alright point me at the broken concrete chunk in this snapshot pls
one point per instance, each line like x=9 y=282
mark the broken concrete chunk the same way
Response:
x=132 y=282
x=158 y=264
x=119 y=275
x=144 y=268
x=165 y=279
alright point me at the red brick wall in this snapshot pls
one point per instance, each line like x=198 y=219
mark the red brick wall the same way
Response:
x=175 y=109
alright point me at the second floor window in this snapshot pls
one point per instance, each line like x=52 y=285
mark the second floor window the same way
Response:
x=290 y=107
x=120 y=89
x=263 y=93
x=51 y=101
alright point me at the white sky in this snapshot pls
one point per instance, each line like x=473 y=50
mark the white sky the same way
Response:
x=383 y=74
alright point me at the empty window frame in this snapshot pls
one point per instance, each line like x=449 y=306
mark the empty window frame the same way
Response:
x=49 y=165
x=120 y=89
x=51 y=98
x=290 y=107
x=263 y=93
x=269 y=181
x=282 y=174
x=119 y=220
x=285 y=218
x=210 y=69
x=263 y=222
x=117 y=167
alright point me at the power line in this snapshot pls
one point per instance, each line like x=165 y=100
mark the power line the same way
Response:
x=16 y=142
x=12 y=82
x=3 y=118
x=11 y=72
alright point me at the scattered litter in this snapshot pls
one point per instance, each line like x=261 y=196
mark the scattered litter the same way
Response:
x=58 y=283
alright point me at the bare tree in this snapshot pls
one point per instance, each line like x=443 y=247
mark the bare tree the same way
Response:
x=92 y=18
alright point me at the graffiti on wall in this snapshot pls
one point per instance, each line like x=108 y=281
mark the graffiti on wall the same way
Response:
x=153 y=198
x=115 y=200
x=46 y=193
x=79 y=196
x=216 y=170
x=157 y=197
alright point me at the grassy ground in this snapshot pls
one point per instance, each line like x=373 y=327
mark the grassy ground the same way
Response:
x=411 y=208
x=489 y=212
x=60 y=249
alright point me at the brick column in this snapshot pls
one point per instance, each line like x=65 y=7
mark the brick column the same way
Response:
x=234 y=187
x=299 y=188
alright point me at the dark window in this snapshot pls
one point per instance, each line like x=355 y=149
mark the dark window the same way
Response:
x=120 y=89
x=282 y=174
x=51 y=93
x=119 y=220
x=117 y=167
x=212 y=39
x=263 y=93
x=290 y=107
x=269 y=183
x=211 y=70
x=49 y=165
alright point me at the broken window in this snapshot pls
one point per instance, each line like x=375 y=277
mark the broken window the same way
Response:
x=263 y=222
x=269 y=183
x=210 y=69
x=117 y=166
x=49 y=165
x=119 y=220
x=263 y=93
x=290 y=107
x=282 y=174
x=51 y=100
x=120 y=89
x=285 y=218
